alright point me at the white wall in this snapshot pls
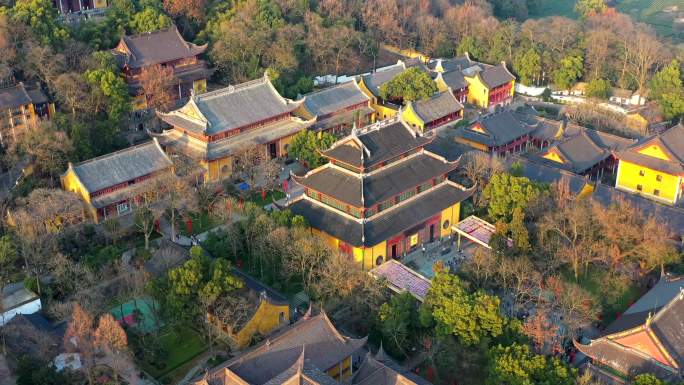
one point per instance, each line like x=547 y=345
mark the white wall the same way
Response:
x=27 y=308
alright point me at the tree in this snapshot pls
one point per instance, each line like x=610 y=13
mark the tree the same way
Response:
x=505 y=192
x=34 y=372
x=468 y=316
x=156 y=82
x=668 y=91
x=145 y=220
x=516 y=365
x=79 y=337
x=42 y=19
x=109 y=336
x=647 y=379
x=49 y=147
x=180 y=199
x=571 y=69
x=527 y=65
x=107 y=81
x=479 y=167
x=396 y=318
x=332 y=48
x=150 y=19
x=191 y=9
x=587 y=8
x=642 y=53
x=412 y=84
x=519 y=234
x=598 y=88
x=473 y=47
x=306 y=145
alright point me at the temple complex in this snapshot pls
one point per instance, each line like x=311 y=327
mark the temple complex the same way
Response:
x=338 y=108
x=648 y=337
x=382 y=194
x=212 y=128
x=168 y=49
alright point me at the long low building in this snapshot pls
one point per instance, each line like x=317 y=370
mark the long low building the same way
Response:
x=110 y=184
x=381 y=194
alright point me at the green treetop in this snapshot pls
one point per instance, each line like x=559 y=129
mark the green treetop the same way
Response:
x=571 y=69
x=586 y=8
x=516 y=365
x=527 y=65
x=506 y=192
x=599 y=88
x=667 y=90
x=455 y=311
x=412 y=84
x=42 y=19
x=306 y=144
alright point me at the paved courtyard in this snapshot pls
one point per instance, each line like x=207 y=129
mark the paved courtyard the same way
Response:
x=445 y=251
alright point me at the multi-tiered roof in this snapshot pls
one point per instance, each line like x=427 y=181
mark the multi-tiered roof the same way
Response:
x=380 y=181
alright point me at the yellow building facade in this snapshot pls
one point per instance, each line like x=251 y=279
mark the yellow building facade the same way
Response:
x=654 y=167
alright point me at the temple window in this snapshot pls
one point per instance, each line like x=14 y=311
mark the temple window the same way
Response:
x=656 y=192
x=659 y=178
x=640 y=187
x=642 y=172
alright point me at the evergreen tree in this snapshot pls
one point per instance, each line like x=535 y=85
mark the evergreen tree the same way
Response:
x=571 y=69
x=667 y=90
x=412 y=84
x=527 y=65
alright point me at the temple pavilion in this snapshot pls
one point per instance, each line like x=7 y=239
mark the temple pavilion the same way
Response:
x=213 y=127
x=382 y=194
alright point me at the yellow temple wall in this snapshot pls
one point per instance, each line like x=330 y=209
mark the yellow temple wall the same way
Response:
x=450 y=217
x=475 y=145
x=411 y=117
x=264 y=321
x=478 y=93
x=340 y=368
x=214 y=169
x=199 y=86
x=71 y=182
x=628 y=178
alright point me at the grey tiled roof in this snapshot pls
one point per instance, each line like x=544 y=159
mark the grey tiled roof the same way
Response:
x=624 y=360
x=438 y=106
x=382 y=370
x=496 y=76
x=457 y=63
x=231 y=145
x=158 y=47
x=122 y=166
x=375 y=80
x=668 y=326
x=384 y=225
x=454 y=79
x=235 y=106
x=334 y=99
x=302 y=372
x=346 y=117
x=501 y=128
x=323 y=348
x=547 y=174
x=388 y=141
x=14 y=96
x=379 y=186
x=586 y=149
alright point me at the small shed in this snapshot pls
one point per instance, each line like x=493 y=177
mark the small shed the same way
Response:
x=16 y=299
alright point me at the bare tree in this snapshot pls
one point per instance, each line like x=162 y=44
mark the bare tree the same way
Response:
x=479 y=167
x=156 y=82
x=643 y=52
